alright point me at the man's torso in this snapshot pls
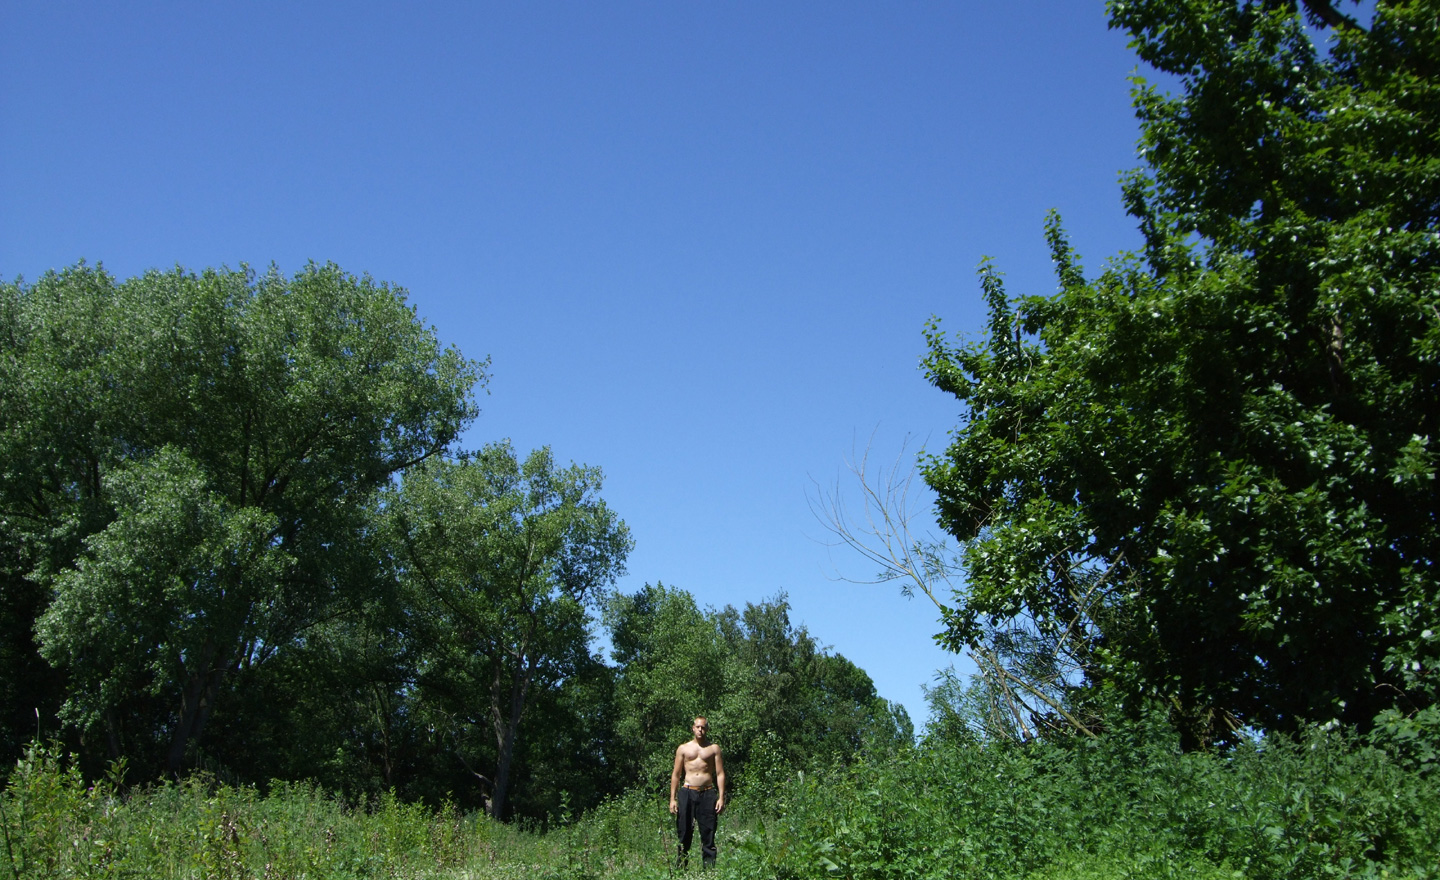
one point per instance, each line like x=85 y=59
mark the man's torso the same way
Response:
x=699 y=764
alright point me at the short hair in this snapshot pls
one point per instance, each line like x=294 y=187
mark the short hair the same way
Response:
x=701 y=718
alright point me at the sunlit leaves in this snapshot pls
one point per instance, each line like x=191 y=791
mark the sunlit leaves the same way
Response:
x=187 y=461
x=1237 y=430
x=501 y=560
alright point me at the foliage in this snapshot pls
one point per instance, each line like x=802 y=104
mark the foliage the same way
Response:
x=499 y=560
x=671 y=663
x=338 y=711
x=186 y=463
x=57 y=827
x=1129 y=803
x=1208 y=473
x=794 y=705
x=776 y=700
x=970 y=713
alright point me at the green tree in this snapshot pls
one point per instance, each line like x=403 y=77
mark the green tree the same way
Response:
x=339 y=710
x=776 y=699
x=1214 y=463
x=844 y=716
x=670 y=667
x=789 y=703
x=570 y=759
x=501 y=562
x=187 y=461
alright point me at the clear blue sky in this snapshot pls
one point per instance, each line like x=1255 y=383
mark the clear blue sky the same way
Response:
x=699 y=240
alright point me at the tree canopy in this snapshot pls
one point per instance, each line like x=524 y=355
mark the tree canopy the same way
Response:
x=1212 y=466
x=776 y=699
x=187 y=460
x=499 y=560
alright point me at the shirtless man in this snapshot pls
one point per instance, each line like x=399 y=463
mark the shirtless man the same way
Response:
x=702 y=798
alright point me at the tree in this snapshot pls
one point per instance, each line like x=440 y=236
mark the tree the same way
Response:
x=187 y=461
x=337 y=710
x=1027 y=671
x=777 y=701
x=843 y=717
x=570 y=759
x=501 y=561
x=1214 y=462
x=670 y=667
x=789 y=703
x=766 y=659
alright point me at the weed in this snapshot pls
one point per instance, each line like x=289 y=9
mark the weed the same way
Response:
x=1129 y=804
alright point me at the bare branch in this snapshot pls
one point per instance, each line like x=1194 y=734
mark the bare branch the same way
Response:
x=884 y=533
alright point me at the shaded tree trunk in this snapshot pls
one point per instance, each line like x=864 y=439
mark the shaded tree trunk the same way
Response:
x=197 y=700
x=507 y=728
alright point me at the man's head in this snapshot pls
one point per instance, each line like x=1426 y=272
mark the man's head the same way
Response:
x=700 y=727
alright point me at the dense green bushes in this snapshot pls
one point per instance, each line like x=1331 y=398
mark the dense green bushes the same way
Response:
x=1129 y=804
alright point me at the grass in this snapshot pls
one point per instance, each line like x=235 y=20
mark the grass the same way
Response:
x=1129 y=805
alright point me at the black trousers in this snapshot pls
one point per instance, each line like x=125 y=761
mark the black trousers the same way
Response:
x=696 y=807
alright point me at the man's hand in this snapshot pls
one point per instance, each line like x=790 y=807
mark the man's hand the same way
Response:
x=719 y=805
x=675 y=808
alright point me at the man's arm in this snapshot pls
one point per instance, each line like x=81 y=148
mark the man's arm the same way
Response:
x=719 y=782
x=675 y=781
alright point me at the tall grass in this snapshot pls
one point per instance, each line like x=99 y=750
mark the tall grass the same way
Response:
x=58 y=826
x=1127 y=805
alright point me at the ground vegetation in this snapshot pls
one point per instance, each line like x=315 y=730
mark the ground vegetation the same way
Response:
x=1127 y=803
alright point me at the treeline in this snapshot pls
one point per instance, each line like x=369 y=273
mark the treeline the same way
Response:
x=236 y=534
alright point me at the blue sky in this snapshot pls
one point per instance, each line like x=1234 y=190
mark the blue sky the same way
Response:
x=699 y=241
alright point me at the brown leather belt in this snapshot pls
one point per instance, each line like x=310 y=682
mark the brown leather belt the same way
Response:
x=698 y=788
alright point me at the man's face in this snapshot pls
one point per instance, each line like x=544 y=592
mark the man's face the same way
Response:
x=700 y=728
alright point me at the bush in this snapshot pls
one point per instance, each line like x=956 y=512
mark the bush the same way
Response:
x=55 y=826
x=1128 y=804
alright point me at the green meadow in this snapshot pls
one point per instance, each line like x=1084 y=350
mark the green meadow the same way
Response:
x=1129 y=803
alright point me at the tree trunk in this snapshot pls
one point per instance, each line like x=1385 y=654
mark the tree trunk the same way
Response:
x=505 y=736
x=197 y=699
